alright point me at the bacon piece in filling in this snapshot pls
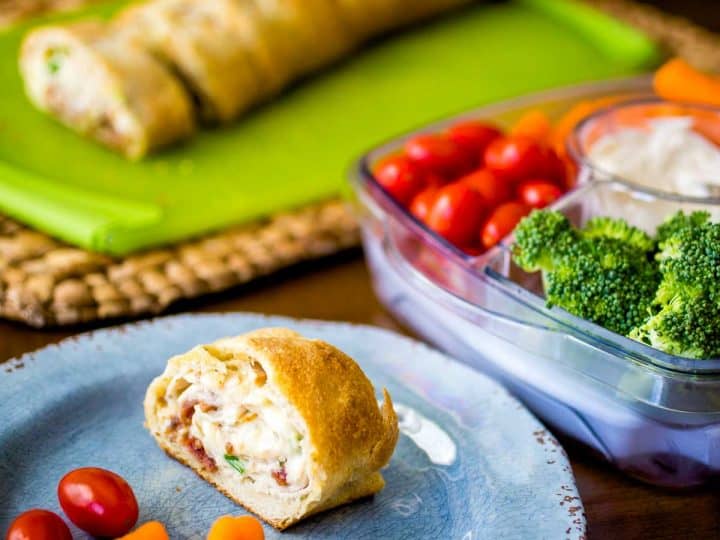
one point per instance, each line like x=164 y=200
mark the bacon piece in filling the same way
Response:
x=197 y=449
x=280 y=476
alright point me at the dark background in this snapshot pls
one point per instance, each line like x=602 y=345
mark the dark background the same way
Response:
x=704 y=12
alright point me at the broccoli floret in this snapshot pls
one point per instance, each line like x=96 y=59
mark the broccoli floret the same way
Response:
x=538 y=237
x=680 y=222
x=684 y=326
x=603 y=280
x=602 y=273
x=686 y=309
x=605 y=227
x=663 y=292
x=689 y=255
x=686 y=255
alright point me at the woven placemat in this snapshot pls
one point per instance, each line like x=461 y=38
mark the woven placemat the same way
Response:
x=680 y=37
x=44 y=282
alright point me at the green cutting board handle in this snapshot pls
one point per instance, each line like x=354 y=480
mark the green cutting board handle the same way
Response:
x=618 y=41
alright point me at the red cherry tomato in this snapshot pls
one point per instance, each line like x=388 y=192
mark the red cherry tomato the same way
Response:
x=555 y=167
x=100 y=502
x=423 y=202
x=538 y=193
x=494 y=189
x=502 y=221
x=516 y=158
x=438 y=154
x=457 y=213
x=435 y=180
x=38 y=525
x=400 y=177
x=473 y=251
x=473 y=137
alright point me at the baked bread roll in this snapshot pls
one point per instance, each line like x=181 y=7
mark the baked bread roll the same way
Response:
x=284 y=425
x=311 y=33
x=207 y=43
x=230 y=54
x=105 y=89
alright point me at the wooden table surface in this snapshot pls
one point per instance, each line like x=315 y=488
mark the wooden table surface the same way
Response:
x=340 y=289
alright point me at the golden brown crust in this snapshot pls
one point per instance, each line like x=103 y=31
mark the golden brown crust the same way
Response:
x=202 y=43
x=350 y=437
x=383 y=450
x=334 y=397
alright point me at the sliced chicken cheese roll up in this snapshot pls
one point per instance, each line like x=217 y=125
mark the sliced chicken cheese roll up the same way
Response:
x=285 y=426
x=307 y=34
x=208 y=44
x=105 y=88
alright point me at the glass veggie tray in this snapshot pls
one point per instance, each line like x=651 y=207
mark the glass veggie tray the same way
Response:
x=654 y=415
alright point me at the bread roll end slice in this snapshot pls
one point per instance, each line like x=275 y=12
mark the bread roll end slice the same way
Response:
x=105 y=88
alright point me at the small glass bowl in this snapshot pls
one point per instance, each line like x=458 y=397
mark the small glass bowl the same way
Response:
x=640 y=114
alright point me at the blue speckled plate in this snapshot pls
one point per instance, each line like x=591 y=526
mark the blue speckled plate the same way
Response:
x=472 y=462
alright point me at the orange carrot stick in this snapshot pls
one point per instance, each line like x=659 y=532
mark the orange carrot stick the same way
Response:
x=534 y=124
x=564 y=127
x=679 y=81
x=152 y=530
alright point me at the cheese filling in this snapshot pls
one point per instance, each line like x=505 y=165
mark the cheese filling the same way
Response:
x=238 y=422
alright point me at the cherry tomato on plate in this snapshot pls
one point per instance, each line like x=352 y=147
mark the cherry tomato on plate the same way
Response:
x=38 y=525
x=98 y=501
x=400 y=177
x=516 y=158
x=436 y=153
x=495 y=190
x=473 y=137
x=538 y=193
x=457 y=213
x=423 y=202
x=502 y=221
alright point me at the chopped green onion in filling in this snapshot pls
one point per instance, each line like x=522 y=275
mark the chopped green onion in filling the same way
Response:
x=235 y=463
x=54 y=59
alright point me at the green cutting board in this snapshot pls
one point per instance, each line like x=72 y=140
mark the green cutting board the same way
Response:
x=298 y=148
